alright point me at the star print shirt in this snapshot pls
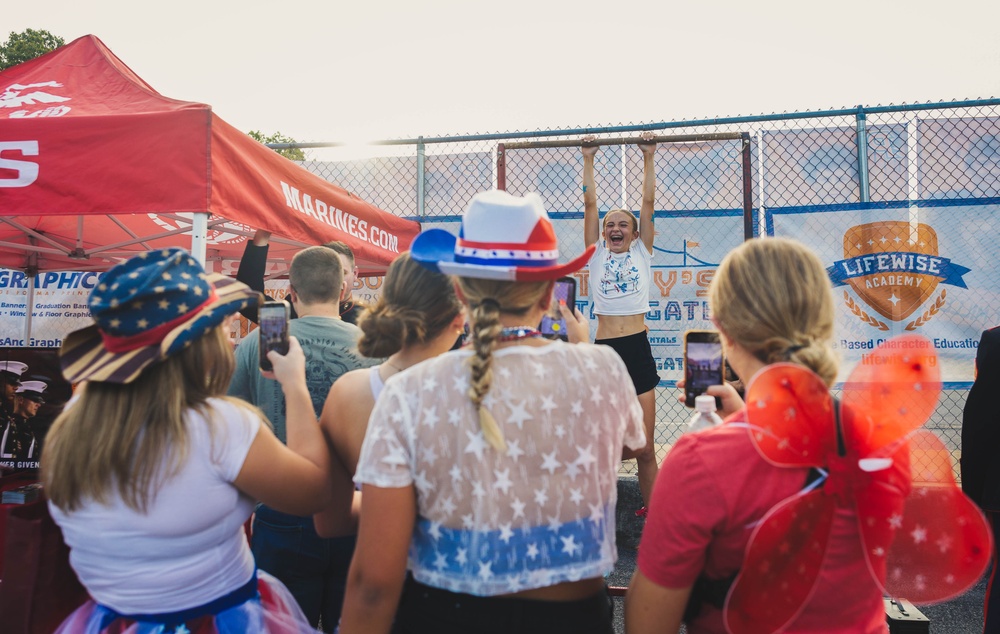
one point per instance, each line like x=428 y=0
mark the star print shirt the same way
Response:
x=619 y=282
x=717 y=488
x=542 y=513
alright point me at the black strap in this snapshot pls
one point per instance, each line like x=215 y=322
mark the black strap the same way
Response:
x=710 y=591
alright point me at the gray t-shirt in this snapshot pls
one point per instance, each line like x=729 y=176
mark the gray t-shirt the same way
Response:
x=330 y=346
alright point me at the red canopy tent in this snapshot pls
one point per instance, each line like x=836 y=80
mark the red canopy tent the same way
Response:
x=96 y=166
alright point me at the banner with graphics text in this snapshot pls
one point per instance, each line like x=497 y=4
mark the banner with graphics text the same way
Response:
x=60 y=305
x=926 y=269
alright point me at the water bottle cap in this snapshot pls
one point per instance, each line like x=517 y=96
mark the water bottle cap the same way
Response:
x=704 y=403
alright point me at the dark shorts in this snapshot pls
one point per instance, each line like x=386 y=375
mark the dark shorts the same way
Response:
x=423 y=608
x=637 y=354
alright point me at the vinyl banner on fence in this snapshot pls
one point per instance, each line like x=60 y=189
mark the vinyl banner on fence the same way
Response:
x=60 y=305
x=897 y=269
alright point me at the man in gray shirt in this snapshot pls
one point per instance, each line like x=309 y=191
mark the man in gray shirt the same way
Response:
x=313 y=568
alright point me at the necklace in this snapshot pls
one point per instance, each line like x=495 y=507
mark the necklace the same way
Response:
x=393 y=366
x=516 y=333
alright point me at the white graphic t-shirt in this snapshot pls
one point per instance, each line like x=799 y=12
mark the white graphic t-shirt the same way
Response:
x=491 y=523
x=620 y=282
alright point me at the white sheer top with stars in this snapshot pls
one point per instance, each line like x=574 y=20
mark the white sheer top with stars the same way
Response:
x=542 y=513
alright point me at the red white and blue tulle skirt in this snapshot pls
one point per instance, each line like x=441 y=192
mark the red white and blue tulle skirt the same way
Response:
x=263 y=605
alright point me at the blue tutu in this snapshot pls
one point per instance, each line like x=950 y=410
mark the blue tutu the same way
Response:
x=262 y=605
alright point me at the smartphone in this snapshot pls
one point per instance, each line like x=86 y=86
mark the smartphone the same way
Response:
x=553 y=325
x=703 y=363
x=272 y=318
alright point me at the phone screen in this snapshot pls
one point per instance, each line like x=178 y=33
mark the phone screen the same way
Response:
x=273 y=324
x=553 y=325
x=703 y=363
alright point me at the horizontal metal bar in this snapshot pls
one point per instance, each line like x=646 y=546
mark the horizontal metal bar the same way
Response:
x=30 y=248
x=675 y=138
x=664 y=125
x=38 y=236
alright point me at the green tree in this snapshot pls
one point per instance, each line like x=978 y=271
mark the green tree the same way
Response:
x=20 y=47
x=292 y=153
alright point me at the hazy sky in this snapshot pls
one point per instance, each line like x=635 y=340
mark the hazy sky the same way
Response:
x=334 y=71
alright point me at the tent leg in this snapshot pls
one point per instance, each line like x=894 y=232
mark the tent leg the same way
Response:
x=29 y=305
x=199 y=236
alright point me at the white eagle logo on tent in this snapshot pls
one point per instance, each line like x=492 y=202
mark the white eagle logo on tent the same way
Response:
x=21 y=95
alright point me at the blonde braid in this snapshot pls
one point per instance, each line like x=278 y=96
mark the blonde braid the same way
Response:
x=485 y=334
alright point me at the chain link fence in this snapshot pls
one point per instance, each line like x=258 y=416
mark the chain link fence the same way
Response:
x=899 y=201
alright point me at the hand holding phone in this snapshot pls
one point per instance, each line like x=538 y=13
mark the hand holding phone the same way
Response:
x=703 y=363
x=553 y=324
x=273 y=319
x=577 y=326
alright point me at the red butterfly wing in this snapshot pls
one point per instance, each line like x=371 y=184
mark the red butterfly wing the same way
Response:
x=893 y=391
x=781 y=564
x=790 y=413
x=880 y=508
x=943 y=543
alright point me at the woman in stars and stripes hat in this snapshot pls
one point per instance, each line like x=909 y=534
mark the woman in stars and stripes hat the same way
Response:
x=152 y=471
x=490 y=472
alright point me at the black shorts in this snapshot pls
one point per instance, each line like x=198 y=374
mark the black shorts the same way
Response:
x=423 y=608
x=637 y=354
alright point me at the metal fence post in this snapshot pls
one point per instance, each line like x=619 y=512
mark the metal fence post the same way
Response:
x=501 y=167
x=420 y=178
x=747 y=189
x=862 y=155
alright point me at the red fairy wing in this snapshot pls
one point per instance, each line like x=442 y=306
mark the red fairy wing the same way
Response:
x=790 y=414
x=781 y=564
x=944 y=543
x=880 y=508
x=893 y=391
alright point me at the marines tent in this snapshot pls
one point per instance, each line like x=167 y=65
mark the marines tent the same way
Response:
x=96 y=165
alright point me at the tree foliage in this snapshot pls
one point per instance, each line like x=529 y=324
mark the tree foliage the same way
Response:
x=29 y=44
x=292 y=153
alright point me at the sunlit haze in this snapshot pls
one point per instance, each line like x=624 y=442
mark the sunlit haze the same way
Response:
x=332 y=71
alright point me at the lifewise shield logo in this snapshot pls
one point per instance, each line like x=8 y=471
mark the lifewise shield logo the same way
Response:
x=895 y=268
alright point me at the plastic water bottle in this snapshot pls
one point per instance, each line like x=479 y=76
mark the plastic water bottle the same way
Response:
x=704 y=413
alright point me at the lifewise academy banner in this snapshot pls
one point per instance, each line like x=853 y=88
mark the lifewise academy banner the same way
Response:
x=896 y=269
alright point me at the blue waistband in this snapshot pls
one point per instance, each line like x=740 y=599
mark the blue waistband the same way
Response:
x=238 y=596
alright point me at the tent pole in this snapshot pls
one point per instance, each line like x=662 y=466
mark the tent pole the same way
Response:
x=199 y=236
x=29 y=305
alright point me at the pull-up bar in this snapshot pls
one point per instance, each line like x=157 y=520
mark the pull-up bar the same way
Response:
x=632 y=140
x=745 y=158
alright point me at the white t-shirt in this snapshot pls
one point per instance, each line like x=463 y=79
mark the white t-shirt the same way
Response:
x=620 y=282
x=189 y=548
x=490 y=523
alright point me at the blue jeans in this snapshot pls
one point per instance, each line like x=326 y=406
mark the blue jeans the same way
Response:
x=313 y=568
